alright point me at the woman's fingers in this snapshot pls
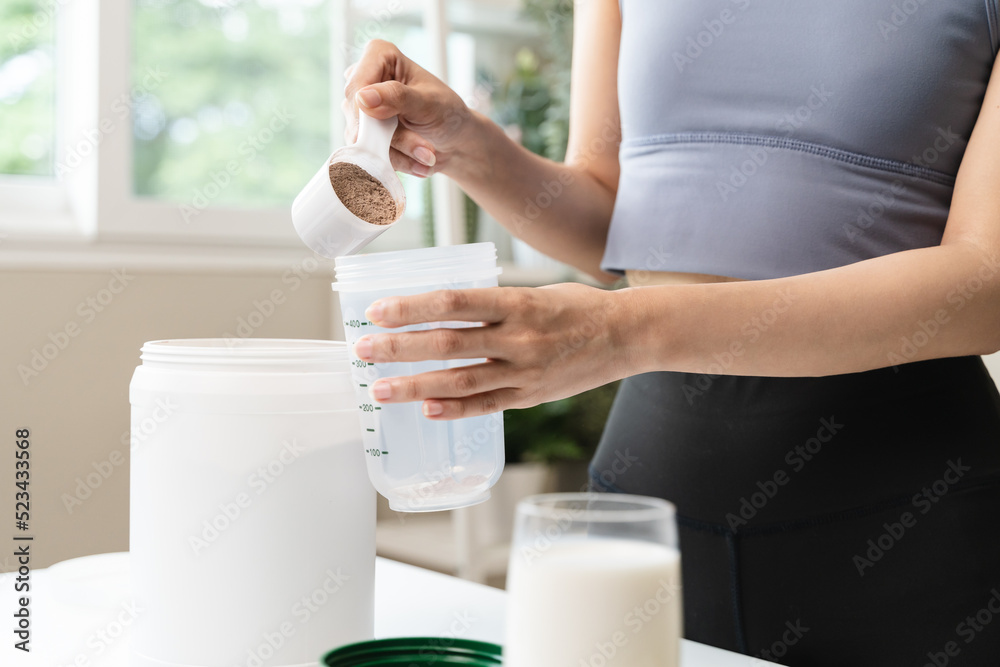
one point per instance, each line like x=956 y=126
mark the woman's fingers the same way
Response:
x=452 y=383
x=412 y=154
x=480 y=389
x=467 y=305
x=437 y=344
x=406 y=164
x=412 y=145
x=541 y=345
x=471 y=406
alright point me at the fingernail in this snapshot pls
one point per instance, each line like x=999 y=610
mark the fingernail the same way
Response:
x=432 y=408
x=363 y=348
x=424 y=156
x=370 y=98
x=375 y=312
x=421 y=170
x=381 y=390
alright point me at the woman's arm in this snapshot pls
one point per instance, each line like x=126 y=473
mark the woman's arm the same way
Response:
x=547 y=343
x=562 y=209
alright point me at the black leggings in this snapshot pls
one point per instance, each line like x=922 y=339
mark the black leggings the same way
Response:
x=839 y=521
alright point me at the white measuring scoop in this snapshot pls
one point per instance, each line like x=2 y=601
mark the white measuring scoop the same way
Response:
x=321 y=219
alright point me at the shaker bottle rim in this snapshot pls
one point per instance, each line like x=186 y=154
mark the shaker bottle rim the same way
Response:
x=421 y=266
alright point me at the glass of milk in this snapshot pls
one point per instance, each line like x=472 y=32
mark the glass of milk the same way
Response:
x=594 y=581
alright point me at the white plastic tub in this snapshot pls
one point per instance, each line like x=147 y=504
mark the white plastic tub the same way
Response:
x=252 y=523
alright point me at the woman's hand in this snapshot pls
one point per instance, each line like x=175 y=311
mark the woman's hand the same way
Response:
x=434 y=123
x=542 y=344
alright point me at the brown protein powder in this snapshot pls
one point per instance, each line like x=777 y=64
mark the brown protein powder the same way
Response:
x=362 y=194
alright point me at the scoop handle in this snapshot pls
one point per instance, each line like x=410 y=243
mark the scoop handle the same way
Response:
x=374 y=135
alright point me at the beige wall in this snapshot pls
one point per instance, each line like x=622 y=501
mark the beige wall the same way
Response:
x=77 y=407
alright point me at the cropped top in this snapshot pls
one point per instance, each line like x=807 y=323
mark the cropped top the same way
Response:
x=768 y=138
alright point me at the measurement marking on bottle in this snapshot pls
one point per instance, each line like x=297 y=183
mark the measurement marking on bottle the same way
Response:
x=377 y=407
x=362 y=385
x=375 y=452
x=370 y=430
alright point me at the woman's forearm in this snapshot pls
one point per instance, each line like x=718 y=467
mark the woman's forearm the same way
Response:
x=909 y=306
x=559 y=209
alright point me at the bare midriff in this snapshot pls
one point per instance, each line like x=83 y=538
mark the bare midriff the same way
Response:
x=644 y=278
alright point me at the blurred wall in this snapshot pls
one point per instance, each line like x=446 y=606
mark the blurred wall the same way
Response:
x=92 y=324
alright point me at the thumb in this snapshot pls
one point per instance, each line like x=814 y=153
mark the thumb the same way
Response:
x=392 y=98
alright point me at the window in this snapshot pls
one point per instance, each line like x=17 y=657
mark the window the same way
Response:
x=238 y=92
x=27 y=88
x=198 y=121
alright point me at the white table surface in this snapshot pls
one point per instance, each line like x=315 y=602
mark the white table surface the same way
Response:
x=72 y=599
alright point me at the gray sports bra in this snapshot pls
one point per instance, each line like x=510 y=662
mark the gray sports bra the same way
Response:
x=768 y=138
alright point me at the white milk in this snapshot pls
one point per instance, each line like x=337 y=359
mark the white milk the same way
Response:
x=594 y=602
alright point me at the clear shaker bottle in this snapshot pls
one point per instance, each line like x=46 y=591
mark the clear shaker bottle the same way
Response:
x=419 y=464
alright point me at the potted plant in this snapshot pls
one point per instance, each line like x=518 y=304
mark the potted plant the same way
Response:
x=556 y=440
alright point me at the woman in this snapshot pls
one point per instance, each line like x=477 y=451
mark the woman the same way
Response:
x=805 y=199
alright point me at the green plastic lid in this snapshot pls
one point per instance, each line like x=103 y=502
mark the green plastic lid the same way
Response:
x=415 y=652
